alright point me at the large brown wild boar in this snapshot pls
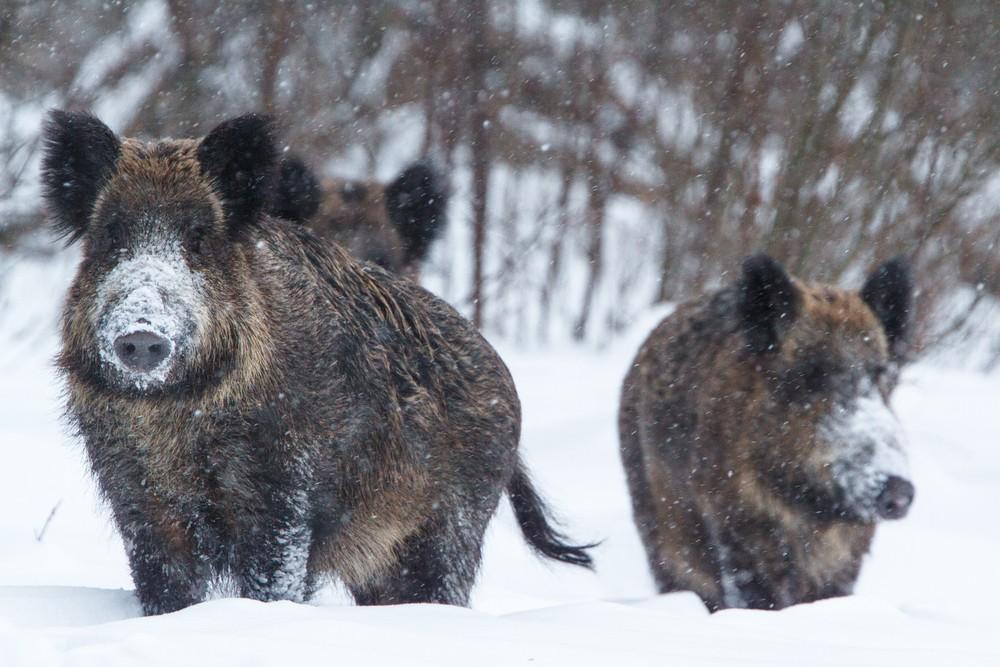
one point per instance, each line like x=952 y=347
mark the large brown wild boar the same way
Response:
x=256 y=405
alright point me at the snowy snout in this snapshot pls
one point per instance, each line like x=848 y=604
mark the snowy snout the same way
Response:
x=141 y=332
x=869 y=462
x=148 y=313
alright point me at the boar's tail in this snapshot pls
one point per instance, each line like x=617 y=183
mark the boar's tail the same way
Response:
x=297 y=195
x=416 y=201
x=533 y=517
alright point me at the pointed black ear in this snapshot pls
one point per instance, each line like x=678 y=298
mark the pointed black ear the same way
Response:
x=78 y=156
x=241 y=157
x=769 y=303
x=889 y=293
x=297 y=195
x=417 y=201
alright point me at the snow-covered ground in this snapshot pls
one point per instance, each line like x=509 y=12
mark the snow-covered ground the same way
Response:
x=928 y=593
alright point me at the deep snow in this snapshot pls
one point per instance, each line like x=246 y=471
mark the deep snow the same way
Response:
x=927 y=594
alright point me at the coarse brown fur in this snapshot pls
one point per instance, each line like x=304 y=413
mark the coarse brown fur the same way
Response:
x=322 y=418
x=719 y=432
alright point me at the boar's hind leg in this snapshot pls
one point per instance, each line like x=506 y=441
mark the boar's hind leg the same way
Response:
x=434 y=566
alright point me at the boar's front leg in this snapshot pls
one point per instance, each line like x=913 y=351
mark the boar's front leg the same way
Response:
x=758 y=569
x=167 y=575
x=160 y=543
x=272 y=555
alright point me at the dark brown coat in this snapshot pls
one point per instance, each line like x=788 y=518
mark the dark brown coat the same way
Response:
x=256 y=404
x=756 y=440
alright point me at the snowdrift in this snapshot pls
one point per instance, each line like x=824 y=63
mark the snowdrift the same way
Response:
x=927 y=593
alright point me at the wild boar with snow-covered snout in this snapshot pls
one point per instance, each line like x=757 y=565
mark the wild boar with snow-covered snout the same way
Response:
x=757 y=438
x=258 y=407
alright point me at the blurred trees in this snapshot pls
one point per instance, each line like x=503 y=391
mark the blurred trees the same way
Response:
x=605 y=155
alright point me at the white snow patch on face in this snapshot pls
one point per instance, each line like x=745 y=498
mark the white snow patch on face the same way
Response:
x=865 y=443
x=151 y=291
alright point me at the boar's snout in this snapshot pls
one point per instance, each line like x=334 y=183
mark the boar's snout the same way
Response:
x=142 y=351
x=894 y=500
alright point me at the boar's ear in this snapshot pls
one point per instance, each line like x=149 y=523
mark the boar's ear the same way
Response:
x=769 y=303
x=889 y=293
x=417 y=200
x=78 y=156
x=297 y=194
x=241 y=158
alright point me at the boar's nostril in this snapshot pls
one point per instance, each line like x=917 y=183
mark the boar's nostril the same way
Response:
x=141 y=351
x=895 y=498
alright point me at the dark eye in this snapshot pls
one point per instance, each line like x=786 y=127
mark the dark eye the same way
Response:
x=815 y=378
x=113 y=239
x=197 y=242
x=812 y=377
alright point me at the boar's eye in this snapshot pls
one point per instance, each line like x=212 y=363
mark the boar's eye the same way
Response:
x=814 y=377
x=111 y=240
x=197 y=242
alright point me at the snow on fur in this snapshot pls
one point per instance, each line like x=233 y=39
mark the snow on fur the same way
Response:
x=866 y=448
x=154 y=291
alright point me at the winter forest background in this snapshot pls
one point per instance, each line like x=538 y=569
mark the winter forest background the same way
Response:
x=606 y=161
x=603 y=156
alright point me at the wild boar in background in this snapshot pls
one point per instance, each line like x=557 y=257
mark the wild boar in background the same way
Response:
x=391 y=224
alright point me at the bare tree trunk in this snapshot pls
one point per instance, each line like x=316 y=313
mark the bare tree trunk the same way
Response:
x=596 y=206
x=479 y=146
x=275 y=38
x=730 y=125
x=555 y=254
